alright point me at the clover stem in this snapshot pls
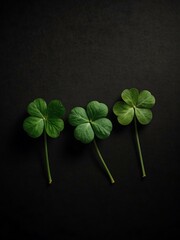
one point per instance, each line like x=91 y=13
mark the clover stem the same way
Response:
x=102 y=160
x=47 y=158
x=139 y=148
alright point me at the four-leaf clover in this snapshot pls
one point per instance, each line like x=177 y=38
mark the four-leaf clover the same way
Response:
x=44 y=119
x=136 y=105
x=91 y=122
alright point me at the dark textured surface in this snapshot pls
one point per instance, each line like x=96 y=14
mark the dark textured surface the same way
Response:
x=78 y=51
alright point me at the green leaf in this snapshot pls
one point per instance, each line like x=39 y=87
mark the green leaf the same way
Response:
x=38 y=108
x=54 y=126
x=44 y=119
x=55 y=109
x=134 y=101
x=43 y=115
x=145 y=99
x=84 y=133
x=96 y=110
x=130 y=96
x=136 y=105
x=91 y=123
x=117 y=107
x=124 y=112
x=78 y=116
x=102 y=127
x=33 y=126
x=144 y=116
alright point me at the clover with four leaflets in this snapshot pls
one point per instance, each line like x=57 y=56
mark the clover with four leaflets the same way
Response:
x=90 y=123
x=136 y=105
x=44 y=119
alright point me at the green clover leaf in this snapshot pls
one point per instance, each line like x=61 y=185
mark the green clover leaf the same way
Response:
x=136 y=105
x=43 y=116
x=90 y=123
x=44 y=119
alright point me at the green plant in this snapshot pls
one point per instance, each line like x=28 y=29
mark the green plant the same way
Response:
x=90 y=123
x=136 y=105
x=44 y=119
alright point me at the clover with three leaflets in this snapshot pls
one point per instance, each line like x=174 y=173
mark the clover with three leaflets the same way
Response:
x=136 y=105
x=44 y=119
x=90 y=123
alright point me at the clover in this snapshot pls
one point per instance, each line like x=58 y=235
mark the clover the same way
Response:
x=90 y=123
x=136 y=105
x=44 y=119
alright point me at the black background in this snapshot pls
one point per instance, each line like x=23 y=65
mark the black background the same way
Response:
x=78 y=51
